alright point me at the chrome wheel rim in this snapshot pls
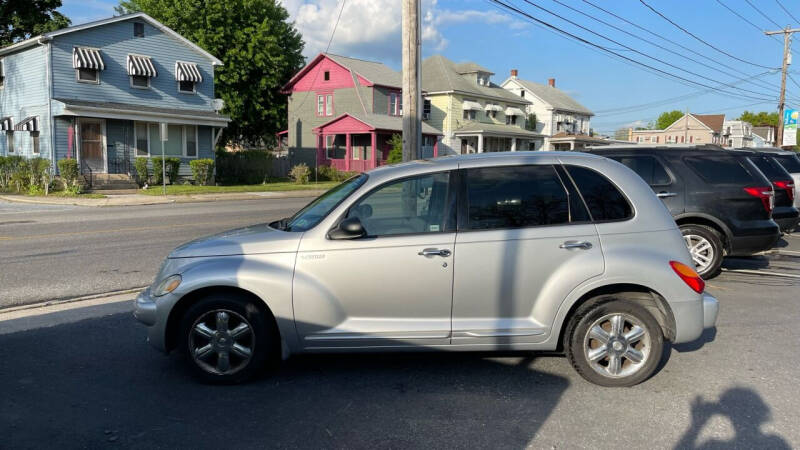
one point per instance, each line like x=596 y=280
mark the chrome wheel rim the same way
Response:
x=221 y=342
x=617 y=345
x=701 y=250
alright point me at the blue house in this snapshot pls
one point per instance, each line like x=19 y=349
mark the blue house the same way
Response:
x=100 y=92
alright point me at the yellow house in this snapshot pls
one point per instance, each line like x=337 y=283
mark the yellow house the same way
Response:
x=474 y=114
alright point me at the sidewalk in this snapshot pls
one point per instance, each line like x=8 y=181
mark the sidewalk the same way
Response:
x=139 y=199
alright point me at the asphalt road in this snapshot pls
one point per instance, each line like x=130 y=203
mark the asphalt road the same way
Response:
x=55 y=252
x=95 y=383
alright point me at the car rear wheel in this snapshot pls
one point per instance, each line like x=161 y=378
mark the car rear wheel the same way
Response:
x=226 y=338
x=705 y=247
x=613 y=342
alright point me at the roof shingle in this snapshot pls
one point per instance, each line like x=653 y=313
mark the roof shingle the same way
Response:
x=439 y=74
x=554 y=97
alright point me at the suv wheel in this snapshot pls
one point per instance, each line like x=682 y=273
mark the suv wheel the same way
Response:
x=226 y=338
x=615 y=343
x=705 y=247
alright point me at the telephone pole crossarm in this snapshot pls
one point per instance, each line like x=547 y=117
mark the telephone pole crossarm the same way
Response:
x=787 y=34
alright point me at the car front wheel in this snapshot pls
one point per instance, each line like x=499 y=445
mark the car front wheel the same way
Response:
x=613 y=342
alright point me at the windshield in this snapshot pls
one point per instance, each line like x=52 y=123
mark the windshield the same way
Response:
x=315 y=211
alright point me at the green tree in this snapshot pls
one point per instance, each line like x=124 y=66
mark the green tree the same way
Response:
x=667 y=118
x=259 y=48
x=396 y=153
x=762 y=118
x=21 y=19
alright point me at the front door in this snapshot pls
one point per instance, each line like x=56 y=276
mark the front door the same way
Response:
x=391 y=288
x=92 y=144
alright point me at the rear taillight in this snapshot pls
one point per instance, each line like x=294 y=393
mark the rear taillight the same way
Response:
x=766 y=195
x=788 y=186
x=689 y=276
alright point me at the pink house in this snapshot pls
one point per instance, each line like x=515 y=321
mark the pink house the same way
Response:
x=343 y=112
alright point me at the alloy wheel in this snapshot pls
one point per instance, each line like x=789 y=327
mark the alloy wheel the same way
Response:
x=221 y=342
x=701 y=250
x=617 y=345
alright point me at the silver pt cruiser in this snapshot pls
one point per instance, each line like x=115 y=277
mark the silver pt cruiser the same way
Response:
x=513 y=251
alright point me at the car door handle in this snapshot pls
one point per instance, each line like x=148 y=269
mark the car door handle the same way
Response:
x=435 y=252
x=664 y=194
x=576 y=244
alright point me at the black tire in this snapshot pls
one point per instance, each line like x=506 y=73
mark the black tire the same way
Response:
x=578 y=342
x=262 y=339
x=712 y=236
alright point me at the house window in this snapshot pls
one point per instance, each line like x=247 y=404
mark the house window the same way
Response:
x=10 y=141
x=140 y=81
x=426 y=109
x=335 y=146
x=691 y=139
x=511 y=120
x=2 y=75
x=469 y=114
x=492 y=114
x=142 y=147
x=325 y=105
x=522 y=93
x=395 y=104
x=88 y=75
x=138 y=29
x=190 y=131
x=181 y=140
x=35 y=141
x=187 y=87
x=327 y=76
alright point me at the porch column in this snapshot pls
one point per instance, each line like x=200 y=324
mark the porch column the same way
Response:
x=513 y=144
x=480 y=143
x=348 y=152
x=320 y=149
x=435 y=146
x=572 y=145
x=374 y=150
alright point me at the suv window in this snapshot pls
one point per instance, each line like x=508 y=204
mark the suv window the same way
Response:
x=650 y=169
x=768 y=167
x=719 y=169
x=789 y=162
x=604 y=200
x=518 y=196
x=420 y=204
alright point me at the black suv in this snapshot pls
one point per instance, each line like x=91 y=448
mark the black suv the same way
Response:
x=784 y=213
x=721 y=202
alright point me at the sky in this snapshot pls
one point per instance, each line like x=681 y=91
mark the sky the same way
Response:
x=619 y=91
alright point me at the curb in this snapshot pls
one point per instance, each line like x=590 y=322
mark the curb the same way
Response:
x=142 y=199
x=48 y=303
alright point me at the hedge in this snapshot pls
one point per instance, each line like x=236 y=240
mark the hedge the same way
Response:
x=203 y=171
x=243 y=167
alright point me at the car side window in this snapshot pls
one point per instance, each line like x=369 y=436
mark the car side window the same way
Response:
x=604 y=200
x=420 y=204
x=517 y=196
x=650 y=169
x=719 y=169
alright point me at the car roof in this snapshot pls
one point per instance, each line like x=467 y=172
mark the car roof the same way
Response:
x=667 y=149
x=772 y=150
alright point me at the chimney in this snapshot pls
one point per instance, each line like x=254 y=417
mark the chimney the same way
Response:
x=514 y=73
x=551 y=82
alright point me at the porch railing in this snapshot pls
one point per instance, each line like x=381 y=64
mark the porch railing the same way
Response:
x=86 y=171
x=119 y=164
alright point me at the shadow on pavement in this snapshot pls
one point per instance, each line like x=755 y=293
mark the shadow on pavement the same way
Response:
x=94 y=382
x=747 y=412
x=708 y=336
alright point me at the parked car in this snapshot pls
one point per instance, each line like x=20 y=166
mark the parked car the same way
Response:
x=783 y=213
x=515 y=251
x=722 y=204
x=791 y=162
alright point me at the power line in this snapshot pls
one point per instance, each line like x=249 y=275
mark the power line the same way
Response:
x=746 y=20
x=762 y=14
x=787 y=12
x=600 y=47
x=701 y=40
x=622 y=30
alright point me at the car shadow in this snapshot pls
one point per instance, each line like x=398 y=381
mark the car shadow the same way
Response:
x=708 y=336
x=747 y=412
x=93 y=382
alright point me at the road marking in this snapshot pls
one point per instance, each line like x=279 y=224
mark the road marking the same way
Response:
x=763 y=272
x=117 y=230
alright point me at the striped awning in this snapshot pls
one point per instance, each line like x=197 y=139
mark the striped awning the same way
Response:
x=492 y=107
x=471 y=105
x=141 y=65
x=6 y=124
x=511 y=111
x=29 y=124
x=185 y=71
x=87 y=58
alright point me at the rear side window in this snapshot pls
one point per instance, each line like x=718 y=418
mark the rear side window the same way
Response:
x=768 y=167
x=518 y=196
x=604 y=200
x=650 y=169
x=789 y=162
x=719 y=169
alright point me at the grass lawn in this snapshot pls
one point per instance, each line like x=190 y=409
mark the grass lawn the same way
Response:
x=59 y=194
x=179 y=189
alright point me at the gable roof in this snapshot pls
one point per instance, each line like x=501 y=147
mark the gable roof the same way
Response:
x=713 y=121
x=471 y=67
x=37 y=40
x=381 y=122
x=554 y=97
x=374 y=72
x=439 y=74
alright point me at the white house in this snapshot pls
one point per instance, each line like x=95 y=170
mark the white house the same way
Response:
x=556 y=113
x=737 y=134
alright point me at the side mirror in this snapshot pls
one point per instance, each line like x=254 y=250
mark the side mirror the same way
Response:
x=350 y=228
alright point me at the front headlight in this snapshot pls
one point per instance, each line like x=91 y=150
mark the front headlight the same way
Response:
x=167 y=285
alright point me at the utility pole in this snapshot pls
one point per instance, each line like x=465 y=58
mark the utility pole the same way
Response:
x=787 y=35
x=412 y=82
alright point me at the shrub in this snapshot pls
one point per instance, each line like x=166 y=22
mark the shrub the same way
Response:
x=68 y=169
x=39 y=176
x=140 y=165
x=20 y=173
x=172 y=163
x=243 y=167
x=300 y=173
x=5 y=172
x=328 y=173
x=203 y=171
x=396 y=153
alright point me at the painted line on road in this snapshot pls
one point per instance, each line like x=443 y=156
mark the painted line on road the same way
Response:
x=763 y=272
x=94 y=299
x=118 y=230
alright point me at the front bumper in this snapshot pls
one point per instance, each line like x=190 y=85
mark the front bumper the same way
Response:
x=146 y=311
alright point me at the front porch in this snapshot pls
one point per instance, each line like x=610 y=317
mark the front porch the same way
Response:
x=480 y=137
x=358 y=144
